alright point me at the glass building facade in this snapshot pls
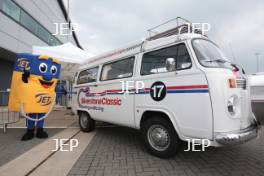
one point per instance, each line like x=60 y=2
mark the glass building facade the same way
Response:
x=18 y=14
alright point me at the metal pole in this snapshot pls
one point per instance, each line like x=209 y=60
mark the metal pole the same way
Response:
x=5 y=126
x=262 y=63
x=68 y=17
x=257 y=59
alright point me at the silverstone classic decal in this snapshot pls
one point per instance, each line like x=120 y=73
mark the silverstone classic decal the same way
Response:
x=91 y=101
x=95 y=101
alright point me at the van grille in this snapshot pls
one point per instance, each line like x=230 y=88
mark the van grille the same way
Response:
x=241 y=83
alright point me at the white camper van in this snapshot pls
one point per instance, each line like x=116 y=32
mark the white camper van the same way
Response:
x=191 y=91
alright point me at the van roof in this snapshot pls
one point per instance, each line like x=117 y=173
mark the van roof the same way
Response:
x=137 y=47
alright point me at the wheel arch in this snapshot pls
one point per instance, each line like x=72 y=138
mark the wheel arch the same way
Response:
x=79 y=111
x=147 y=114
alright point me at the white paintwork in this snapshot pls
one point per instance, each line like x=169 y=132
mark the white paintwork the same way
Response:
x=256 y=83
x=194 y=115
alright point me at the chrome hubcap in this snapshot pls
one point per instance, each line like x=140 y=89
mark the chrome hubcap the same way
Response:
x=158 y=137
x=84 y=121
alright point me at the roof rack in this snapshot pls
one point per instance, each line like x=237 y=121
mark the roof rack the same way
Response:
x=182 y=26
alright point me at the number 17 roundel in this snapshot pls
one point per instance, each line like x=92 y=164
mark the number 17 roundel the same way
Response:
x=158 y=91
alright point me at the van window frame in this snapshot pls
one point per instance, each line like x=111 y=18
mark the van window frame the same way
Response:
x=181 y=43
x=75 y=78
x=85 y=70
x=199 y=61
x=111 y=62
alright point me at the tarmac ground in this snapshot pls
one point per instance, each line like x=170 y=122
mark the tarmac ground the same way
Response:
x=114 y=150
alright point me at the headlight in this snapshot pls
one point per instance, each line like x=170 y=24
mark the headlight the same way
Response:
x=232 y=104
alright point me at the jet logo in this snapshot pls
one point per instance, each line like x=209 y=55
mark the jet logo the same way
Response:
x=43 y=99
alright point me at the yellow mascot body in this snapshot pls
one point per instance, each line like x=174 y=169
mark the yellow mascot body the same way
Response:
x=36 y=93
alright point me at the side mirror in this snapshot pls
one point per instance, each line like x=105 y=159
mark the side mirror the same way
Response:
x=170 y=64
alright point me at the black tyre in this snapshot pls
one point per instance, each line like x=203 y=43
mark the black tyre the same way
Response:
x=86 y=123
x=160 y=137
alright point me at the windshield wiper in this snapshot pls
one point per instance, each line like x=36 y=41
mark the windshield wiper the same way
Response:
x=217 y=60
x=236 y=66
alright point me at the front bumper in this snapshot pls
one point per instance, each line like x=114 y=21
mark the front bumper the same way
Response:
x=237 y=137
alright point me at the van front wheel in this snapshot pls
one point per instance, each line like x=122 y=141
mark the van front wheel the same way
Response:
x=160 y=137
x=86 y=123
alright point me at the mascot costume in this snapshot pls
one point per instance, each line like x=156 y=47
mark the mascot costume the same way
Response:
x=33 y=91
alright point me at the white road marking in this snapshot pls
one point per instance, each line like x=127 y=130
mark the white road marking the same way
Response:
x=33 y=158
x=62 y=161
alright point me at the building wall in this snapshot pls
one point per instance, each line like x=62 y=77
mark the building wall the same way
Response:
x=46 y=13
x=15 y=38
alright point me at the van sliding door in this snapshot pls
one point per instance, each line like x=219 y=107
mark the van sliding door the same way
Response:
x=116 y=106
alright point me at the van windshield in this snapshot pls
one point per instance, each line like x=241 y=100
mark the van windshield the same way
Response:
x=209 y=55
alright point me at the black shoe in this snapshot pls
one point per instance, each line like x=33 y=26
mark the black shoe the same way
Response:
x=41 y=133
x=28 y=135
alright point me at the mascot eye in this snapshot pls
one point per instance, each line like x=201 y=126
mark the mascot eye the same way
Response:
x=43 y=67
x=53 y=69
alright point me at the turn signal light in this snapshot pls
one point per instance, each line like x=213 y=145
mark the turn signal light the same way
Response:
x=232 y=83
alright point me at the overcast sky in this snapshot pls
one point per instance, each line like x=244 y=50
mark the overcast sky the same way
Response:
x=236 y=25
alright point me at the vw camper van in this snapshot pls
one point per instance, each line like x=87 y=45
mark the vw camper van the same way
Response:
x=189 y=90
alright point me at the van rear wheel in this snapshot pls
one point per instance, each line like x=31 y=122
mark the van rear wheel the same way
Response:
x=160 y=137
x=86 y=123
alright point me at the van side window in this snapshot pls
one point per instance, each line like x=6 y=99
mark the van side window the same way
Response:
x=183 y=58
x=88 y=76
x=155 y=61
x=118 y=69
